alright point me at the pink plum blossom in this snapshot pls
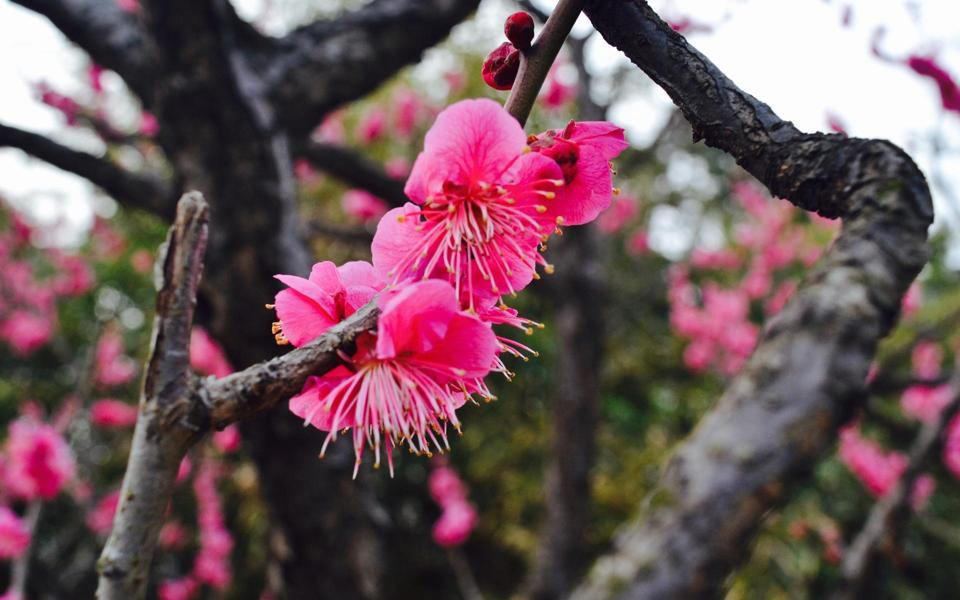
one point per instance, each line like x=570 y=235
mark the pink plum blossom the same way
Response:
x=372 y=126
x=212 y=563
x=876 y=469
x=311 y=306
x=304 y=171
x=724 y=259
x=112 y=366
x=228 y=439
x=928 y=66
x=616 y=217
x=95 y=75
x=14 y=535
x=951 y=447
x=557 y=93
x=638 y=243
x=455 y=524
x=397 y=167
x=445 y=485
x=923 y=487
x=912 y=300
x=485 y=205
x=26 y=331
x=403 y=385
x=178 y=589
x=149 y=125
x=206 y=355
x=927 y=357
x=363 y=206
x=100 y=519
x=173 y=535
x=113 y=413
x=583 y=150
x=331 y=130
x=408 y=109
x=141 y=261
x=39 y=462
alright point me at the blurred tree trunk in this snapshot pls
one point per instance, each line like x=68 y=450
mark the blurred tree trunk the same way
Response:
x=577 y=293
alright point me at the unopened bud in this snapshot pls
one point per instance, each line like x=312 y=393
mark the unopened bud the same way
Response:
x=519 y=30
x=501 y=66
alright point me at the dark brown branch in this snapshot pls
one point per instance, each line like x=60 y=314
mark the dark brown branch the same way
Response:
x=112 y=38
x=328 y=63
x=129 y=189
x=888 y=515
x=806 y=375
x=535 y=63
x=159 y=439
x=354 y=169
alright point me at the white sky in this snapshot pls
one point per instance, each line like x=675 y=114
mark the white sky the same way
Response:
x=792 y=54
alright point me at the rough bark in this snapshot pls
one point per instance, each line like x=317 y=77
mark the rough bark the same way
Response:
x=782 y=411
x=320 y=66
x=147 y=192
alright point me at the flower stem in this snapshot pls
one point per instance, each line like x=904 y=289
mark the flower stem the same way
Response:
x=535 y=63
x=18 y=576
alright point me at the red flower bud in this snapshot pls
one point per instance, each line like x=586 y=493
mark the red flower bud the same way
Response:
x=500 y=67
x=519 y=30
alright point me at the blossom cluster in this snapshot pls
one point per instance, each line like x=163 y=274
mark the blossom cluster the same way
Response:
x=36 y=464
x=485 y=200
x=458 y=516
x=759 y=268
x=31 y=283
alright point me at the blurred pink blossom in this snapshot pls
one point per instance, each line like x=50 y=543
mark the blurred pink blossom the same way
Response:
x=100 y=518
x=113 y=413
x=38 y=460
x=14 y=535
x=363 y=206
x=112 y=366
x=206 y=355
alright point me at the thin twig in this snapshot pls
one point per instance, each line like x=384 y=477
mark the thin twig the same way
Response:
x=535 y=63
x=888 y=514
x=464 y=575
x=21 y=567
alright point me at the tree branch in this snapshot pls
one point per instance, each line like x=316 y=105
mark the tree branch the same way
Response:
x=888 y=515
x=258 y=387
x=781 y=412
x=129 y=189
x=354 y=169
x=535 y=62
x=176 y=407
x=113 y=38
x=328 y=63
x=159 y=439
